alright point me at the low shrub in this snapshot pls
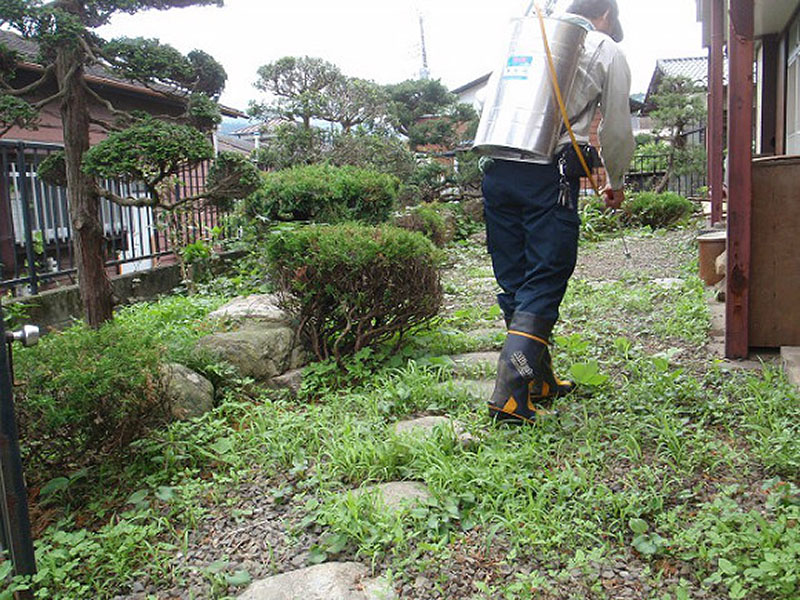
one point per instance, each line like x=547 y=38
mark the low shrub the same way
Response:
x=325 y=194
x=433 y=220
x=353 y=286
x=665 y=210
x=84 y=394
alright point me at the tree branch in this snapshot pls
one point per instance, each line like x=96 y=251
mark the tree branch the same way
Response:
x=42 y=103
x=106 y=103
x=48 y=72
x=88 y=49
x=104 y=124
x=125 y=200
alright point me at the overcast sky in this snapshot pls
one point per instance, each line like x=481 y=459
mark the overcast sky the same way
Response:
x=380 y=40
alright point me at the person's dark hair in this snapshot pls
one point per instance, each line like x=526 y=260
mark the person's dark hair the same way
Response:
x=594 y=9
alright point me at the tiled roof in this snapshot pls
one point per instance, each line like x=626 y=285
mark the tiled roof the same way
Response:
x=474 y=83
x=255 y=128
x=695 y=68
x=29 y=51
x=235 y=144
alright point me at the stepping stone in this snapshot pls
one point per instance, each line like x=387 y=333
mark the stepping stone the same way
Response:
x=397 y=494
x=476 y=389
x=329 y=581
x=426 y=425
x=790 y=356
x=476 y=360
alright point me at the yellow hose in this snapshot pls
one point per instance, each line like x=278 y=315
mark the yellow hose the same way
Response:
x=561 y=105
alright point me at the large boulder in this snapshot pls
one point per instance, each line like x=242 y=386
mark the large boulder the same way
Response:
x=264 y=308
x=189 y=394
x=329 y=581
x=256 y=351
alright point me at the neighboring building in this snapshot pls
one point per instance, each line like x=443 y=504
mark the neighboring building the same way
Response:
x=470 y=93
x=35 y=229
x=762 y=44
x=256 y=133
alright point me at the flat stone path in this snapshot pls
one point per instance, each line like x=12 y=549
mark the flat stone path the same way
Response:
x=329 y=581
x=396 y=495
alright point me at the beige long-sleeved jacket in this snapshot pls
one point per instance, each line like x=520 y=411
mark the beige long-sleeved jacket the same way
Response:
x=603 y=82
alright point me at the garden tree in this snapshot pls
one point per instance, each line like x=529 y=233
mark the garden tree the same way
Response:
x=139 y=147
x=680 y=106
x=350 y=102
x=290 y=144
x=428 y=114
x=298 y=85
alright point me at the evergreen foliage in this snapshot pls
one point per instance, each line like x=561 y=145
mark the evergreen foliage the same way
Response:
x=324 y=193
x=352 y=286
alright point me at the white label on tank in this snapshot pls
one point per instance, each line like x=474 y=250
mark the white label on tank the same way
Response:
x=518 y=67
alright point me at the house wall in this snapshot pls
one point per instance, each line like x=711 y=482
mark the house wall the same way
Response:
x=49 y=130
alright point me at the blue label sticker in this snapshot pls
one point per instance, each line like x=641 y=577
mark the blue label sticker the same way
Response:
x=520 y=61
x=517 y=67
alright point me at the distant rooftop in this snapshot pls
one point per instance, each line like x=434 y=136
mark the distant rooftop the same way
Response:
x=29 y=52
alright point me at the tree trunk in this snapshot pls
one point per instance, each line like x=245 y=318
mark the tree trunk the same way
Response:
x=84 y=203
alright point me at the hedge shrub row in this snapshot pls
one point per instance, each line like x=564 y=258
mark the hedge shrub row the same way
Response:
x=324 y=193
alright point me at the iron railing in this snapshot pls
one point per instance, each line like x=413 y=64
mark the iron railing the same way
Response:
x=648 y=170
x=36 y=233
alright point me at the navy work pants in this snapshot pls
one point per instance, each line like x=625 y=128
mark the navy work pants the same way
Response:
x=531 y=236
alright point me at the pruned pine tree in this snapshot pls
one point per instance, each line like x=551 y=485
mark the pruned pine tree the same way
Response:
x=150 y=149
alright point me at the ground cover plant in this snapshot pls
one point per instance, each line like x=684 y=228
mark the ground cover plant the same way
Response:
x=676 y=478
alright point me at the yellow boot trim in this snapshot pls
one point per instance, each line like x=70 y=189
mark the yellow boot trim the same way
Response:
x=513 y=414
x=510 y=408
x=529 y=336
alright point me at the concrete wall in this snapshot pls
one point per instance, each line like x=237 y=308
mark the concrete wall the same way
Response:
x=56 y=309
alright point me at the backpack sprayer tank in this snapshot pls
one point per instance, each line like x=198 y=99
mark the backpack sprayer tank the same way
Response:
x=521 y=118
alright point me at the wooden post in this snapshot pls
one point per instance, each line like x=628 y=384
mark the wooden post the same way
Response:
x=740 y=176
x=716 y=99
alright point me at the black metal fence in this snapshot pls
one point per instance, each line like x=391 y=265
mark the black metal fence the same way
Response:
x=36 y=233
x=647 y=171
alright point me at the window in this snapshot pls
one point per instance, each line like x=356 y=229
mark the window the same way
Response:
x=792 y=91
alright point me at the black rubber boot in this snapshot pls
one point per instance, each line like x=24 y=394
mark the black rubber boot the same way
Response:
x=526 y=384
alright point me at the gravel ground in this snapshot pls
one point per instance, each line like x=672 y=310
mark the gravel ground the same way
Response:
x=659 y=255
x=252 y=530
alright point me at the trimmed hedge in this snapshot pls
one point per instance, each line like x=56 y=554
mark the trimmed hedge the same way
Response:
x=657 y=210
x=352 y=286
x=435 y=221
x=325 y=194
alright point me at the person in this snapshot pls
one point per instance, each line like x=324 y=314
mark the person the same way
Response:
x=532 y=220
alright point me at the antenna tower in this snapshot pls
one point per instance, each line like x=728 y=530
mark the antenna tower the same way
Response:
x=424 y=72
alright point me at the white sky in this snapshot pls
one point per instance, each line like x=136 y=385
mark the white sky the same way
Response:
x=380 y=40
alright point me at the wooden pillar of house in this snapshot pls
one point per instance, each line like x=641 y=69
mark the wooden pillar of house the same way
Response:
x=770 y=45
x=716 y=109
x=740 y=176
